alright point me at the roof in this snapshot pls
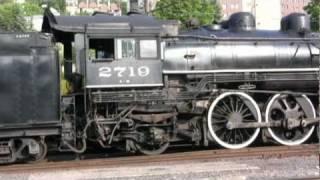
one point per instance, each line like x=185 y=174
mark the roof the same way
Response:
x=66 y=25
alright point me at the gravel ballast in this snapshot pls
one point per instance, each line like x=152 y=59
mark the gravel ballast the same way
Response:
x=235 y=169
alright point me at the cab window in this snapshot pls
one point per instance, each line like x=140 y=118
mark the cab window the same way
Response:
x=148 y=49
x=126 y=48
x=101 y=49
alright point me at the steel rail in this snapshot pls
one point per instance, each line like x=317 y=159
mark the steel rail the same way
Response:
x=256 y=152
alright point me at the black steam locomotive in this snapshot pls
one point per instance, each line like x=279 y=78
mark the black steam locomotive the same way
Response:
x=139 y=85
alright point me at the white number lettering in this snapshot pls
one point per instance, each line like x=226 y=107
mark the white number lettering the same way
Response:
x=143 y=71
x=132 y=74
x=105 y=72
x=120 y=70
x=22 y=36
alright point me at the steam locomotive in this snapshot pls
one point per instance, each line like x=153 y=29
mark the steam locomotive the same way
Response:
x=140 y=85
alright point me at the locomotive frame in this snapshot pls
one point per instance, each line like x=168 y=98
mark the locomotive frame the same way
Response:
x=138 y=87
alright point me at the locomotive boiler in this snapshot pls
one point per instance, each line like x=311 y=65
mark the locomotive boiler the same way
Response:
x=140 y=85
x=242 y=49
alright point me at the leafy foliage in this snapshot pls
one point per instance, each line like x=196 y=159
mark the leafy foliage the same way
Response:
x=31 y=9
x=313 y=8
x=123 y=7
x=39 y=2
x=5 y=1
x=205 y=11
x=12 y=15
x=12 y=18
x=59 y=5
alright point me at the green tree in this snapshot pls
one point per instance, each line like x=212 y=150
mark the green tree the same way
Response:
x=12 y=18
x=5 y=1
x=313 y=8
x=205 y=11
x=123 y=7
x=59 y=5
x=31 y=9
x=38 y=2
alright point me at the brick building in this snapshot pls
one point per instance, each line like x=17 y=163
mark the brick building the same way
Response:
x=229 y=7
x=268 y=13
x=289 y=6
x=142 y=5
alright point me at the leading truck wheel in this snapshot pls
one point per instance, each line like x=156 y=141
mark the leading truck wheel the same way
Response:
x=43 y=149
x=155 y=141
x=233 y=107
x=152 y=150
x=283 y=107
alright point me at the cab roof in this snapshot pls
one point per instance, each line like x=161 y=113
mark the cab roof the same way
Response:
x=64 y=27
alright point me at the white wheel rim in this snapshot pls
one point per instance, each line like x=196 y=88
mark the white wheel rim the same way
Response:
x=288 y=142
x=214 y=135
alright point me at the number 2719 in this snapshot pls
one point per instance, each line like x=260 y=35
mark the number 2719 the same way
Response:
x=107 y=72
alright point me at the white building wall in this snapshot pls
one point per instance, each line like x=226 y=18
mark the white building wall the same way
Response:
x=37 y=22
x=248 y=6
x=267 y=13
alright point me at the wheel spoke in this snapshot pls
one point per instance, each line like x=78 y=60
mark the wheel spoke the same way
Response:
x=220 y=122
x=277 y=105
x=241 y=107
x=235 y=136
x=240 y=135
x=248 y=133
x=225 y=109
x=228 y=137
x=231 y=104
x=219 y=115
x=245 y=110
x=218 y=128
x=222 y=135
x=221 y=110
x=246 y=115
x=285 y=102
x=237 y=105
x=226 y=106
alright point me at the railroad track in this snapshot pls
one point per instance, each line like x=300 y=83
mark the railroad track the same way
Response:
x=257 y=152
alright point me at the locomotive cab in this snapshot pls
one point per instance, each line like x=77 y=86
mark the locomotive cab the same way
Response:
x=119 y=56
